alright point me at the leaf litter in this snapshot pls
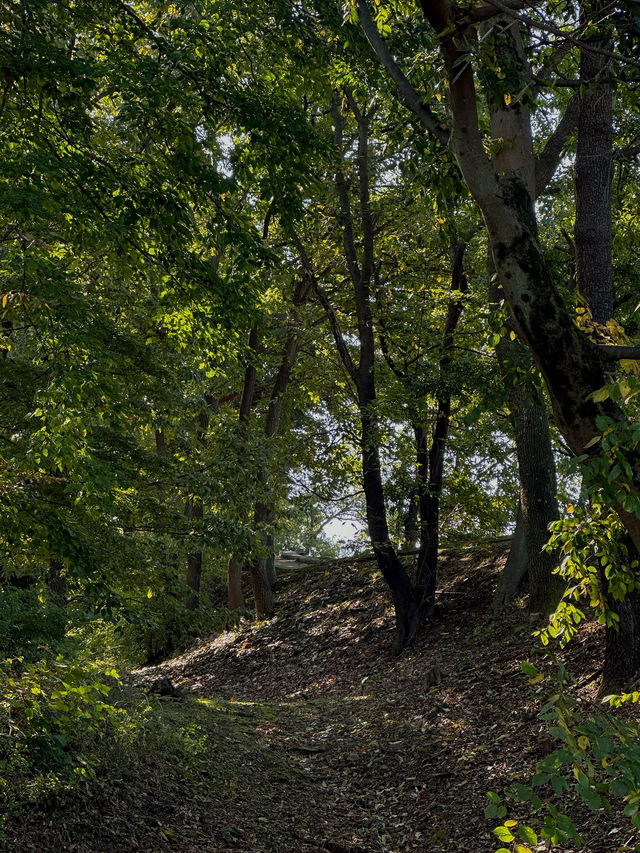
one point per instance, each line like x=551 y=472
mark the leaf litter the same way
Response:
x=303 y=733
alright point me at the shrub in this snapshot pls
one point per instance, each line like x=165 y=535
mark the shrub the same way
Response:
x=53 y=714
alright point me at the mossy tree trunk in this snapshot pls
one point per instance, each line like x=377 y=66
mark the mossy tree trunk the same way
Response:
x=573 y=366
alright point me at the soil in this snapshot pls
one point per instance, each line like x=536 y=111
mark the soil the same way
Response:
x=303 y=733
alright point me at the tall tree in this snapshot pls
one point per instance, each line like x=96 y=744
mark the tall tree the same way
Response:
x=574 y=368
x=508 y=120
x=594 y=278
x=536 y=465
x=360 y=268
x=430 y=446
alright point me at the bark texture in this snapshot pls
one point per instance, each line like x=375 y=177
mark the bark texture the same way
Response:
x=513 y=577
x=593 y=169
x=537 y=505
x=235 y=597
x=592 y=237
x=511 y=123
x=538 y=502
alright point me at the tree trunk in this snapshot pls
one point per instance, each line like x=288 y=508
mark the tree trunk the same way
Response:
x=360 y=269
x=622 y=641
x=260 y=583
x=573 y=366
x=592 y=237
x=271 y=559
x=262 y=593
x=538 y=506
x=235 y=597
x=406 y=610
x=235 y=566
x=538 y=503
x=622 y=650
x=513 y=577
x=431 y=463
x=263 y=569
x=592 y=175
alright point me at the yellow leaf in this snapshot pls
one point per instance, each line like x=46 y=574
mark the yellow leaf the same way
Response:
x=507 y=99
x=510 y=822
x=583 y=742
x=536 y=678
x=520 y=848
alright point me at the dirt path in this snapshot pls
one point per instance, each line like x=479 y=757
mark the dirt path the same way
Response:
x=309 y=736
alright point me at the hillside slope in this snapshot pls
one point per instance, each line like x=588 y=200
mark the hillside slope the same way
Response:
x=303 y=733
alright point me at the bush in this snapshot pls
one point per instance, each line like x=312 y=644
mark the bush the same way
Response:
x=53 y=716
x=598 y=762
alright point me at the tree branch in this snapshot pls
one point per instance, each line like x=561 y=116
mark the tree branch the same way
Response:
x=615 y=353
x=364 y=196
x=406 y=93
x=488 y=10
x=547 y=162
x=346 y=219
x=547 y=26
x=383 y=334
x=329 y=310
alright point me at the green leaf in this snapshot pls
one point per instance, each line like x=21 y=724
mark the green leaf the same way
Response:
x=527 y=795
x=503 y=833
x=527 y=834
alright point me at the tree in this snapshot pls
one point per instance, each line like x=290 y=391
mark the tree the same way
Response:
x=594 y=279
x=360 y=271
x=430 y=450
x=574 y=368
x=537 y=480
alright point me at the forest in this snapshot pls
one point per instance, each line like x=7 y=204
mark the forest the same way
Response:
x=319 y=434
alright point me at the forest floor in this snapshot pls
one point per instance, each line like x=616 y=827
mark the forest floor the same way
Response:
x=303 y=733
